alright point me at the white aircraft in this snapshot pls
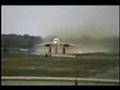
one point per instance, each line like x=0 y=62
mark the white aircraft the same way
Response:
x=57 y=43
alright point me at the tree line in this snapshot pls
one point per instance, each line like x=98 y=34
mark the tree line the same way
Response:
x=19 y=41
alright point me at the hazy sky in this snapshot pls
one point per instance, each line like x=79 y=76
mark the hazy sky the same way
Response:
x=46 y=20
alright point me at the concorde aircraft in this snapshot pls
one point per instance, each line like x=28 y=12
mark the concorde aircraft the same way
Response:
x=55 y=44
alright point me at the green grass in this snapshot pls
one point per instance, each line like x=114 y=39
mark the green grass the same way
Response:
x=81 y=66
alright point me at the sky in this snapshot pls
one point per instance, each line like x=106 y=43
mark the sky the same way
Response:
x=60 y=20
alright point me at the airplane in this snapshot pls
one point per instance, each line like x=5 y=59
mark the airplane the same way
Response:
x=57 y=43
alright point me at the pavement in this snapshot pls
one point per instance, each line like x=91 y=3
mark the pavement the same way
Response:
x=23 y=80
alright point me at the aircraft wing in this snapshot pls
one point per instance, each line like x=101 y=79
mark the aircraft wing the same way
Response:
x=69 y=44
x=44 y=44
x=60 y=43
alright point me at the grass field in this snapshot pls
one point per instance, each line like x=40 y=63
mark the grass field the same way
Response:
x=83 y=66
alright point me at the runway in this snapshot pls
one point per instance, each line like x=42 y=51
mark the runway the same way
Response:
x=23 y=80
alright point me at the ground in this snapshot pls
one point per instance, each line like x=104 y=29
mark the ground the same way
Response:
x=102 y=66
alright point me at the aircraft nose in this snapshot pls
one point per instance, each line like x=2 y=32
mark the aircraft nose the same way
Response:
x=56 y=40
